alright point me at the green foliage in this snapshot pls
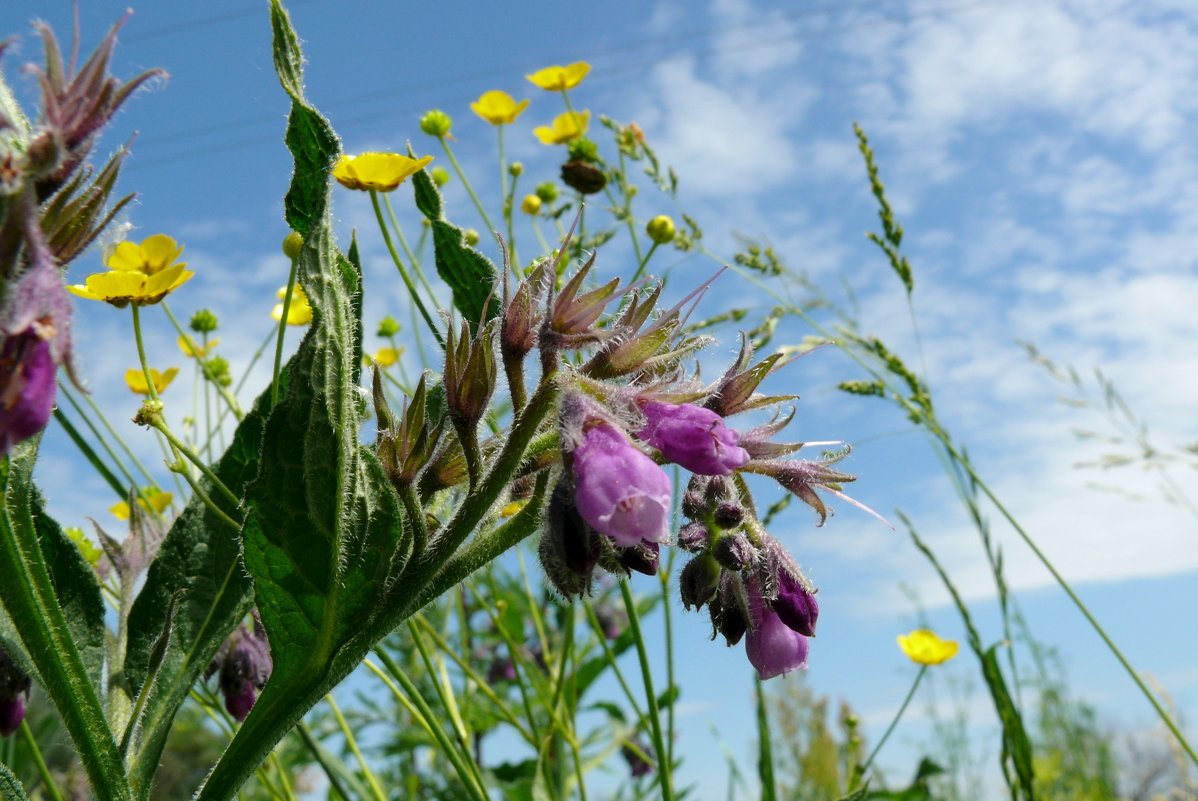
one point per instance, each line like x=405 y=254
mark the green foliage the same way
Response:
x=892 y=233
x=10 y=788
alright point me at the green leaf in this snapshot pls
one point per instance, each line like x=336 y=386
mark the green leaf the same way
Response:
x=32 y=600
x=10 y=788
x=469 y=273
x=200 y=555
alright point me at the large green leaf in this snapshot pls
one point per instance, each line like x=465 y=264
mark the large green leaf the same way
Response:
x=469 y=273
x=201 y=555
x=42 y=610
x=10 y=788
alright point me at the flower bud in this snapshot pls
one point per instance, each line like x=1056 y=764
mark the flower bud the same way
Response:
x=217 y=370
x=583 y=149
x=727 y=616
x=13 y=683
x=547 y=191
x=470 y=372
x=718 y=490
x=471 y=237
x=501 y=669
x=45 y=152
x=795 y=605
x=735 y=552
x=531 y=205
x=203 y=321
x=634 y=754
x=661 y=229
x=388 y=326
x=583 y=177
x=729 y=514
x=698 y=581
x=693 y=537
x=293 y=243
x=569 y=549
x=436 y=123
x=244 y=669
x=516 y=169
x=693 y=437
x=27 y=373
x=440 y=176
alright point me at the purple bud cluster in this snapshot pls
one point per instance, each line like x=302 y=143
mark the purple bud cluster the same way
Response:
x=14 y=692
x=243 y=665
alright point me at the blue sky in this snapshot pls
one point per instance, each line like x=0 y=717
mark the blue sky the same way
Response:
x=1039 y=154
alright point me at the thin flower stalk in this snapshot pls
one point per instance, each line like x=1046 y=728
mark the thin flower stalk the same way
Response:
x=351 y=742
x=39 y=762
x=457 y=168
x=665 y=780
x=274 y=380
x=403 y=273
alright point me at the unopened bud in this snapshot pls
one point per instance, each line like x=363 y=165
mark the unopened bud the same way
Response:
x=729 y=514
x=14 y=683
x=203 y=322
x=516 y=169
x=440 y=176
x=583 y=149
x=531 y=204
x=698 y=581
x=44 y=152
x=735 y=552
x=719 y=489
x=642 y=558
x=661 y=229
x=583 y=177
x=693 y=537
x=436 y=123
x=388 y=326
x=471 y=237
x=547 y=191
x=293 y=243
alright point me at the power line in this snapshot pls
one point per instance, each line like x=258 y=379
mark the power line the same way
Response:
x=187 y=26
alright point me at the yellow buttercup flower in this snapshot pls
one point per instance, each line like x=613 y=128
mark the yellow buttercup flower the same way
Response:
x=138 y=274
x=136 y=379
x=498 y=107
x=512 y=509
x=558 y=78
x=299 y=312
x=387 y=357
x=159 y=500
x=193 y=349
x=381 y=172
x=89 y=551
x=567 y=126
x=923 y=647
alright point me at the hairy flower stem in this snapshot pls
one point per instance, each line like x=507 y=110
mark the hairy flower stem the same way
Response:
x=274 y=380
x=224 y=393
x=457 y=168
x=513 y=367
x=39 y=762
x=860 y=771
x=403 y=244
x=403 y=273
x=659 y=746
x=181 y=446
x=415 y=513
x=468 y=439
x=640 y=269
x=141 y=352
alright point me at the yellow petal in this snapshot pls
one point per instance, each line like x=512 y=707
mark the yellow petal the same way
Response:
x=82 y=292
x=194 y=349
x=125 y=256
x=159 y=284
x=498 y=107
x=120 y=510
x=381 y=172
x=386 y=357
x=923 y=647
x=159 y=252
x=566 y=127
x=558 y=78
x=118 y=284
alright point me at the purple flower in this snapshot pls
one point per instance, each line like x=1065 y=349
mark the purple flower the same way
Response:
x=773 y=647
x=27 y=387
x=693 y=437
x=795 y=605
x=13 y=683
x=634 y=753
x=245 y=666
x=620 y=491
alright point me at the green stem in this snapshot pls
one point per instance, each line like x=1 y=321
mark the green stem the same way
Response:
x=141 y=352
x=321 y=757
x=403 y=273
x=375 y=789
x=415 y=513
x=403 y=244
x=665 y=605
x=597 y=627
x=765 y=746
x=659 y=746
x=181 y=446
x=869 y=760
x=636 y=242
x=274 y=380
x=457 y=168
x=65 y=389
x=640 y=269
x=42 y=769
x=224 y=393
x=90 y=454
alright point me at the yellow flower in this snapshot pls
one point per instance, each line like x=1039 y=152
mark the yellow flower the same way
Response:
x=386 y=357
x=498 y=108
x=299 y=312
x=923 y=647
x=90 y=552
x=531 y=204
x=558 y=78
x=136 y=379
x=193 y=349
x=139 y=274
x=159 y=500
x=566 y=126
x=513 y=508
x=381 y=172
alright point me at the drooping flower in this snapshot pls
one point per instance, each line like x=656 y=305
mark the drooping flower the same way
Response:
x=299 y=312
x=693 y=437
x=135 y=378
x=498 y=107
x=195 y=350
x=14 y=683
x=773 y=647
x=244 y=664
x=158 y=501
x=27 y=388
x=566 y=126
x=140 y=274
x=619 y=490
x=923 y=647
x=558 y=78
x=795 y=605
x=381 y=172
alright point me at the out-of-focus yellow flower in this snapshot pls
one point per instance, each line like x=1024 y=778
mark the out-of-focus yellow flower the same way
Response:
x=923 y=647
x=158 y=499
x=299 y=312
x=498 y=107
x=531 y=204
x=90 y=552
x=194 y=350
x=381 y=172
x=387 y=357
x=558 y=78
x=566 y=127
x=513 y=508
x=136 y=379
x=139 y=274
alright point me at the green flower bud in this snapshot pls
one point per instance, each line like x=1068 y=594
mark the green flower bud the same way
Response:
x=292 y=244
x=203 y=322
x=547 y=191
x=661 y=229
x=583 y=149
x=217 y=368
x=388 y=326
x=471 y=237
x=516 y=169
x=436 y=123
x=440 y=176
x=531 y=204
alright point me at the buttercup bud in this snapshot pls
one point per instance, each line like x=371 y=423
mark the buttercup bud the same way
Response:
x=661 y=229
x=547 y=191
x=516 y=169
x=204 y=321
x=436 y=123
x=531 y=204
x=583 y=149
x=471 y=237
x=388 y=326
x=440 y=176
x=293 y=243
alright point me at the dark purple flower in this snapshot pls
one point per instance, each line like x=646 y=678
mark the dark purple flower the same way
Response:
x=693 y=437
x=244 y=669
x=773 y=647
x=14 y=683
x=643 y=558
x=634 y=753
x=795 y=605
x=27 y=387
x=501 y=669
x=619 y=491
